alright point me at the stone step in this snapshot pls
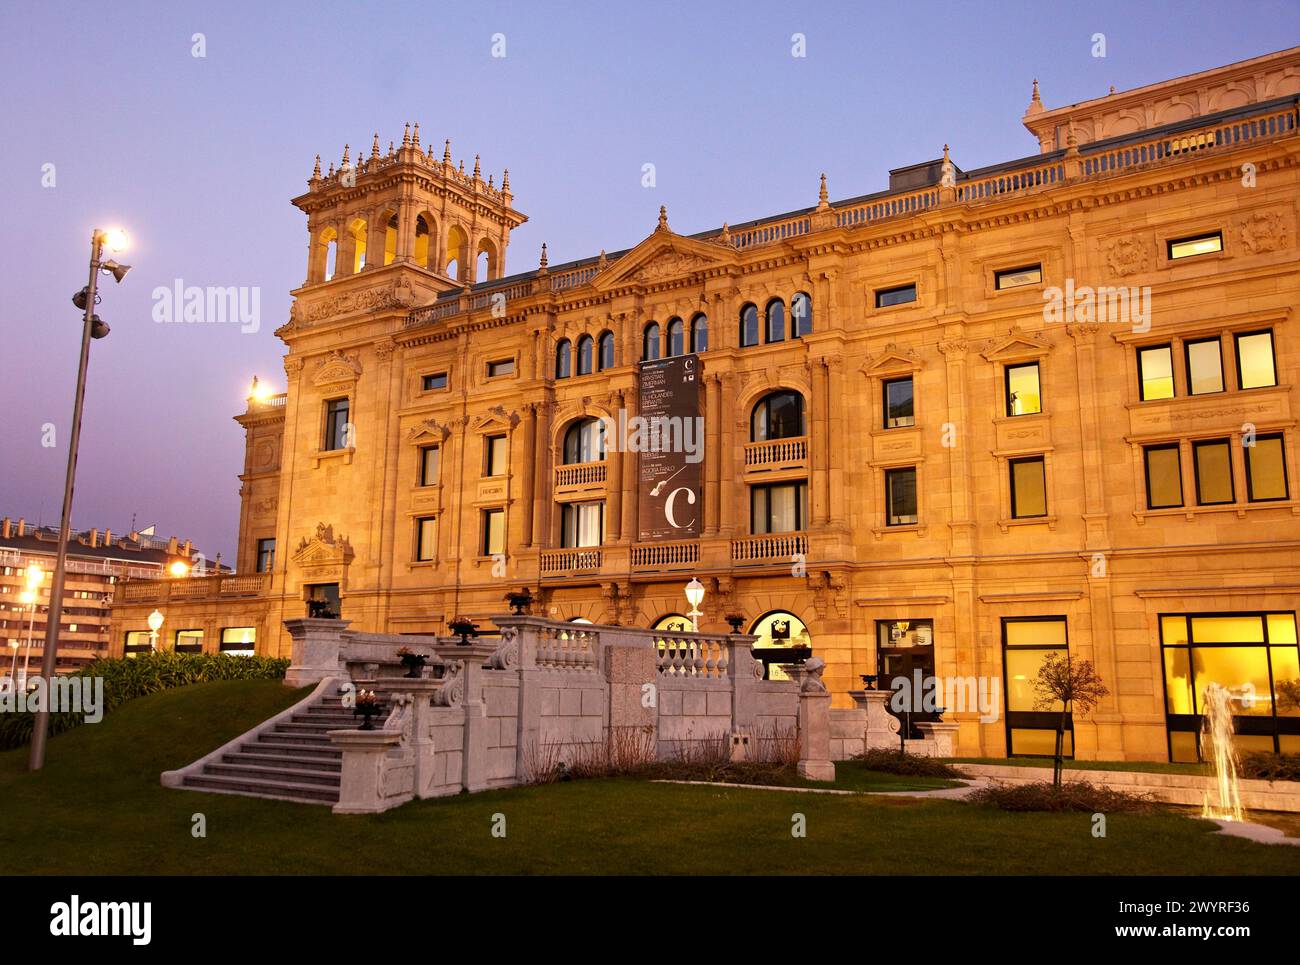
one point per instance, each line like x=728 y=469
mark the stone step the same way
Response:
x=293 y=737
x=299 y=762
x=264 y=787
x=336 y=721
x=273 y=771
x=269 y=747
x=305 y=727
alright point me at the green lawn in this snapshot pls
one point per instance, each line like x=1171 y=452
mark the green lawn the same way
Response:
x=100 y=800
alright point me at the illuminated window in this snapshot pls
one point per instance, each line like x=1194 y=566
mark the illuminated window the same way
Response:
x=1028 y=488
x=1031 y=723
x=1204 y=366
x=358 y=231
x=1156 y=372
x=582 y=524
x=1266 y=469
x=239 y=641
x=1195 y=245
x=426 y=538
x=782 y=638
x=1212 y=460
x=430 y=465
x=1256 y=367
x=336 y=425
x=748 y=326
x=493 y=532
x=422 y=242
x=137 y=641
x=494 y=456
x=899 y=411
x=189 y=641
x=1016 y=277
x=901 y=295
x=1024 y=397
x=1164 y=476
x=584 y=441
x=900 y=496
x=777 y=508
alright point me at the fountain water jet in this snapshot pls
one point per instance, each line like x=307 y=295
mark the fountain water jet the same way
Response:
x=1216 y=746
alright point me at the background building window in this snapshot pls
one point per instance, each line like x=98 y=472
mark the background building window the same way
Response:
x=584 y=355
x=777 y=416
x=494 y=456
x=1016 y=277
x=900 y=495
x=1197 y=245
x=426 y=539
x=563 y=359
x=437 y=380
x=1204 y=366
x=676 y=337
x=606 y=350
x=801 y=318
x=430 y=465
x=700 y=333
x=1266 y=469
x=748 y=326
x=650 y=343
x=1212 y=460
x=584 y=442
x=895 y=296
x=493 y=539
x=1256 y=367
x=1156 y=372
x=265 y=555
x=336 y=425
x=899 y=410
x=777 y=508
x=1164 y=476
x=582 y=524
x=775 y=331
x=239 y=641
x=1031 y=727
x=1024 y=396
x=1028 y=488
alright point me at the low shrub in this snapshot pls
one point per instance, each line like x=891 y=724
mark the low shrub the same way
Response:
x=1070 y=796
x=147 y=674
x=1270 y=767
x=890 y=761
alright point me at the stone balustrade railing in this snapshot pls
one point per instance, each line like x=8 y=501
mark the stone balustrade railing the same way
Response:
x=189 y=588
x=776 y=452
x=699 y=655
x=773 y=548
x=580 y=474
x=675 y=553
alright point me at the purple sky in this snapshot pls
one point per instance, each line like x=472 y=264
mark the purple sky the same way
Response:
x=198 y=159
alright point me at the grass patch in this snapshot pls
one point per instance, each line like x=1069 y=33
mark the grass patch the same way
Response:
x=100 y=790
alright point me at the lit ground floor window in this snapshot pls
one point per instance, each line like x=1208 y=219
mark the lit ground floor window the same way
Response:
x=1031 y=726
x=782 y=639
x=239 y=641
x=1254 y=656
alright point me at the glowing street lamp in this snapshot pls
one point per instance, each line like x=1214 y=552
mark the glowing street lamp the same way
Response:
x=28 y=598
x=155 y=621
x=92 y=327
x=695 y=596
x=259 y=391
x=178 y=569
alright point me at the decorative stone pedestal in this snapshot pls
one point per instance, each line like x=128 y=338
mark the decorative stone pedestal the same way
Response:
x=940 y=735
x=362 y=779
x=882 y=726
x=315 y=652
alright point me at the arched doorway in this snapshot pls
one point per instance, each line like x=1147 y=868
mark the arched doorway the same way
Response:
x=782 y=638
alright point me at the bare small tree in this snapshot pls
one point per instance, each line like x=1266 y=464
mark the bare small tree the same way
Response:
x=1076 y=686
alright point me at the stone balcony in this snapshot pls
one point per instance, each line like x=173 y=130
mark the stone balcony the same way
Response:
x=777 y=454
x=190 y=588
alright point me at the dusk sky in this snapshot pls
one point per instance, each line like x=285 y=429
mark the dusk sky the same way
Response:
x=197 y=159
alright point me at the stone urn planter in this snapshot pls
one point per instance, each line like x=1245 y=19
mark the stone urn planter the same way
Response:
x=367 y=708
x=413 y=662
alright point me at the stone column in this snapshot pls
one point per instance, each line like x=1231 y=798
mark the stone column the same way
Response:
x=630 y=474
x=954 y=353
x=614 y=482
x=316 y=651
x=541 y=475
x=712 y=452
x=819 y=432
x=405 y=229
x=529 y=450
x=837 y=429
x=729 y=497
x=376 y=235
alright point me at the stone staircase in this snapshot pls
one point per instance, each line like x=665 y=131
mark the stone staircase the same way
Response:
x=292 y=761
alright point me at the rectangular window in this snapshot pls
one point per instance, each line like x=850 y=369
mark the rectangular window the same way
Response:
x=500 y=367
x=494 y=456
x=426 y=538
x=1164 y=477
x=494 y=532
x=1016 y=277
x=899 y=410
x=1028 y=488
x=582 y=524
x=189 y=641
x=137 y=641
x=430 y=465
x=1266 y=469
x=239 y=641
x=1212 y=460
x=895 y=296
x=1256 y=367
x=778 y=508
x=436 y=380
x=1156 y=372
x=1204 y=366
x=265 y=555
x=1023 y=394
x=900 y=496
x=1031 y=723
x=336 y=425
x=324 y=602
x=1195 y=245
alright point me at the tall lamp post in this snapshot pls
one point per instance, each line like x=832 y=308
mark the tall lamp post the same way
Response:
x=155 y=621
x=695 y=596
x=92 y=327
x=35 y=577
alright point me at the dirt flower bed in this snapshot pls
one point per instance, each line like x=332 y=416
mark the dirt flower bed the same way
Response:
x=1069 y=796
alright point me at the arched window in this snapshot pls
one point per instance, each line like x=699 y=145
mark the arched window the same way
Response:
x=584 y=355
x=606 y=354
x=673 y=623
x=676 y=337
x=390 y=240
x=458 y=253
x=650 y=343
x=748 y=326
x=563 y=359
x=782 y=638
x=485 y=262
x=421 y=241
x=358 y=232
x=700 y=333
x=584 y=441
x=329 y=243
x=777 y=416
x=801 y=322
x=775 y=321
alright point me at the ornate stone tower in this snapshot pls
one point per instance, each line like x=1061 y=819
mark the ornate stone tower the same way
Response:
x=408 y=208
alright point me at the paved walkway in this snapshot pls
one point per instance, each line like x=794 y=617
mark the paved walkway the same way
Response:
x=942 y=793
x=1259 y=833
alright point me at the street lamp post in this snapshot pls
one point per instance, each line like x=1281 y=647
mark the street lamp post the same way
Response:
x=695 y=596
x=92 y=327
x=155 y=621
x=35 y=577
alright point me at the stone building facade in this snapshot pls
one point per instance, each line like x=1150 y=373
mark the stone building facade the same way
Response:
x=949 y=427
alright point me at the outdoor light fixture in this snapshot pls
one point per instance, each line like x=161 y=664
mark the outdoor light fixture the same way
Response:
x=35 y=575
x=117 y=271
x=695 y=596
x=114 y=239
x=257 y=392
x=155 y=621
x=178 y=569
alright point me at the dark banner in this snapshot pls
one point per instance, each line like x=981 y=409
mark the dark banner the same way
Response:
x=669 y=436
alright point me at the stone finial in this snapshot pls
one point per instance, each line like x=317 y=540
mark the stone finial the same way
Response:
x=491 y=186
x=315 y=171
x=406 y=135
x=460 y=168
x=331 y=174
x=725 y=237
x=1112 y=88
x=946 y=159
x=663 y=218
x=345 y=155
x=1071 y=141
x=602 y=261
x=374 y=146
x=446 y=151
x=1035 y=101
x=391 y=149
x=415 y=137
x=542 y=264
x=505 y=181
x=477 y=175
x=823 y=198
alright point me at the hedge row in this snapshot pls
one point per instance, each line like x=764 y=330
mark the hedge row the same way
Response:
x=147 y=674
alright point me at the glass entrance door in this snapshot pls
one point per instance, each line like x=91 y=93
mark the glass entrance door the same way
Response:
x=905 y=663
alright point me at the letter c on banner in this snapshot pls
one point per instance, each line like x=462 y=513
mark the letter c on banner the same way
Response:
x=668 y=506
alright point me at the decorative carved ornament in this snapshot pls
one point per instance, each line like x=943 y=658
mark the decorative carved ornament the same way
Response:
x=892 y=359
x=1263 y=231
x=429 y=429
x=400 y=294
x=1016 y=344
x=337 y=367
x=1126 y=256
x=323 y=550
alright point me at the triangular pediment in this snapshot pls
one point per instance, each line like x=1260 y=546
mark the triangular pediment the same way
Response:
x=429 y=429
x=663 y=256
x=892 y=359
x=494 y=422
x=1016 y=345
